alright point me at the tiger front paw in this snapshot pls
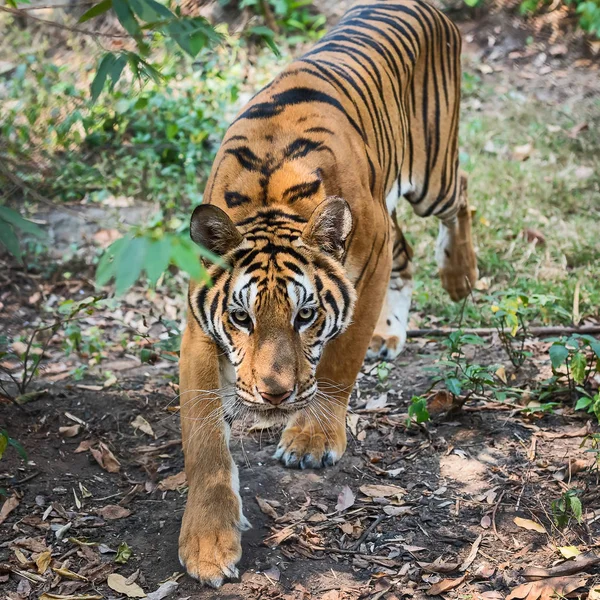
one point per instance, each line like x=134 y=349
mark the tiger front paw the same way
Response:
x=309 y=445
x=460 y=280
x=210 y=542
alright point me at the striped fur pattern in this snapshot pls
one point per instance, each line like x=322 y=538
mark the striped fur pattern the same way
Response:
x=301 y=206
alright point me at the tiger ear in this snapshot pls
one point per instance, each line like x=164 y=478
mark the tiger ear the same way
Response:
x=329 y=226
x=212 y=228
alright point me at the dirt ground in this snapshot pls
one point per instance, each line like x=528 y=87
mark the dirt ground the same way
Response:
x=443 y=520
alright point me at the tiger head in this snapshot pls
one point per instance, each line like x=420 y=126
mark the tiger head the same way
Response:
x=278 y=296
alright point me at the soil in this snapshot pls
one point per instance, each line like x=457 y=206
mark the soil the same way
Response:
x=462 y=479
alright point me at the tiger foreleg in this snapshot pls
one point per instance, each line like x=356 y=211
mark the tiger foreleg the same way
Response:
x=390 y=332
x=210 y=538
x=455 y=254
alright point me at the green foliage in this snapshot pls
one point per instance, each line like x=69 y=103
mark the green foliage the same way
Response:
x=6 y=441
x=417 y=410
x=12 y=222
x=383 y=372
x=574 y=359
x=513 y=312
x=150 y=250
x=296 y=18
x=567 y=506
x=124 y=553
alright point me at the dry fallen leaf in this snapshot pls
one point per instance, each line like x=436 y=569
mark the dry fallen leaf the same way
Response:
x=173 y=482
x=568 y=567
x=472 y=554
x=105 y=458
x=68 y=574
x=168 y=587
x=529 y=524
x=486 y=521
x=9 y=505
x=140 y=423
x=445 y=585
x=70 y=431
x=118 y=583
x=439 y=566
x=43 y=561
x=47 y=596
x=113 y=511
x=547 y=589
x=266 y=508
x=381 y=491
x=522 y=153
x=569 y=551
x=345 y=499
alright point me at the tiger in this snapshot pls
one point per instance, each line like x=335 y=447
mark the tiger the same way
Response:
x=311 y=270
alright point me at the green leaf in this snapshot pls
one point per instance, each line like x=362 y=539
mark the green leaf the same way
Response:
x=116 y=69
x=9 y=240
x=576 y=507
x=124 y=553
x=96 y=10
x=267 y=36
x=149 y=10
x=158 y=257
x=107 y=265
x=186 y=258
x=417 y=409
x=558 y=355
x=453 y=385
x=3 y=443
x=16 y=220
x=18 y=447
x=126 y=17
x=106 y=63
x=130 y=263
x=578 y=367
x=583 y=403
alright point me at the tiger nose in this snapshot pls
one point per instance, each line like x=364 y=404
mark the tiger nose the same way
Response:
x=275 y=399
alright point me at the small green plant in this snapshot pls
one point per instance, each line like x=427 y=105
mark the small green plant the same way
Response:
x=383 y=372
x=459 y=375
x=417 y=410
x=28 y=351
x=566 y=507
x=573 y=359
x=513 y=312
x=12 y=222
x=6 y=441
x=592 y=405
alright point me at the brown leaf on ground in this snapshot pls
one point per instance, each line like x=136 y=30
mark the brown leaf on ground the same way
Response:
x=70 y=431
x=119 y=584
x=445 y=585
x=105 y=458
x=581 y=432
x=440 y=403
x=43 y=561
x=580 y=563
x=472 y=554
x=9 y=505
x=529 y=524
x=84 y=446
x=534 y=235
x=140 y=423
x=345 y=499
x=113 y=512
x=547 y=589
x=173 y=482
x=266 y=508
x=439 y=566
x=381 y=491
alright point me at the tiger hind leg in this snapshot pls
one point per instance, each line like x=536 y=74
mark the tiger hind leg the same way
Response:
x=455 y=256
x=390 y=333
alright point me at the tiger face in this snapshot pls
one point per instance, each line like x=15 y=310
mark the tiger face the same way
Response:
x=280 y=296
